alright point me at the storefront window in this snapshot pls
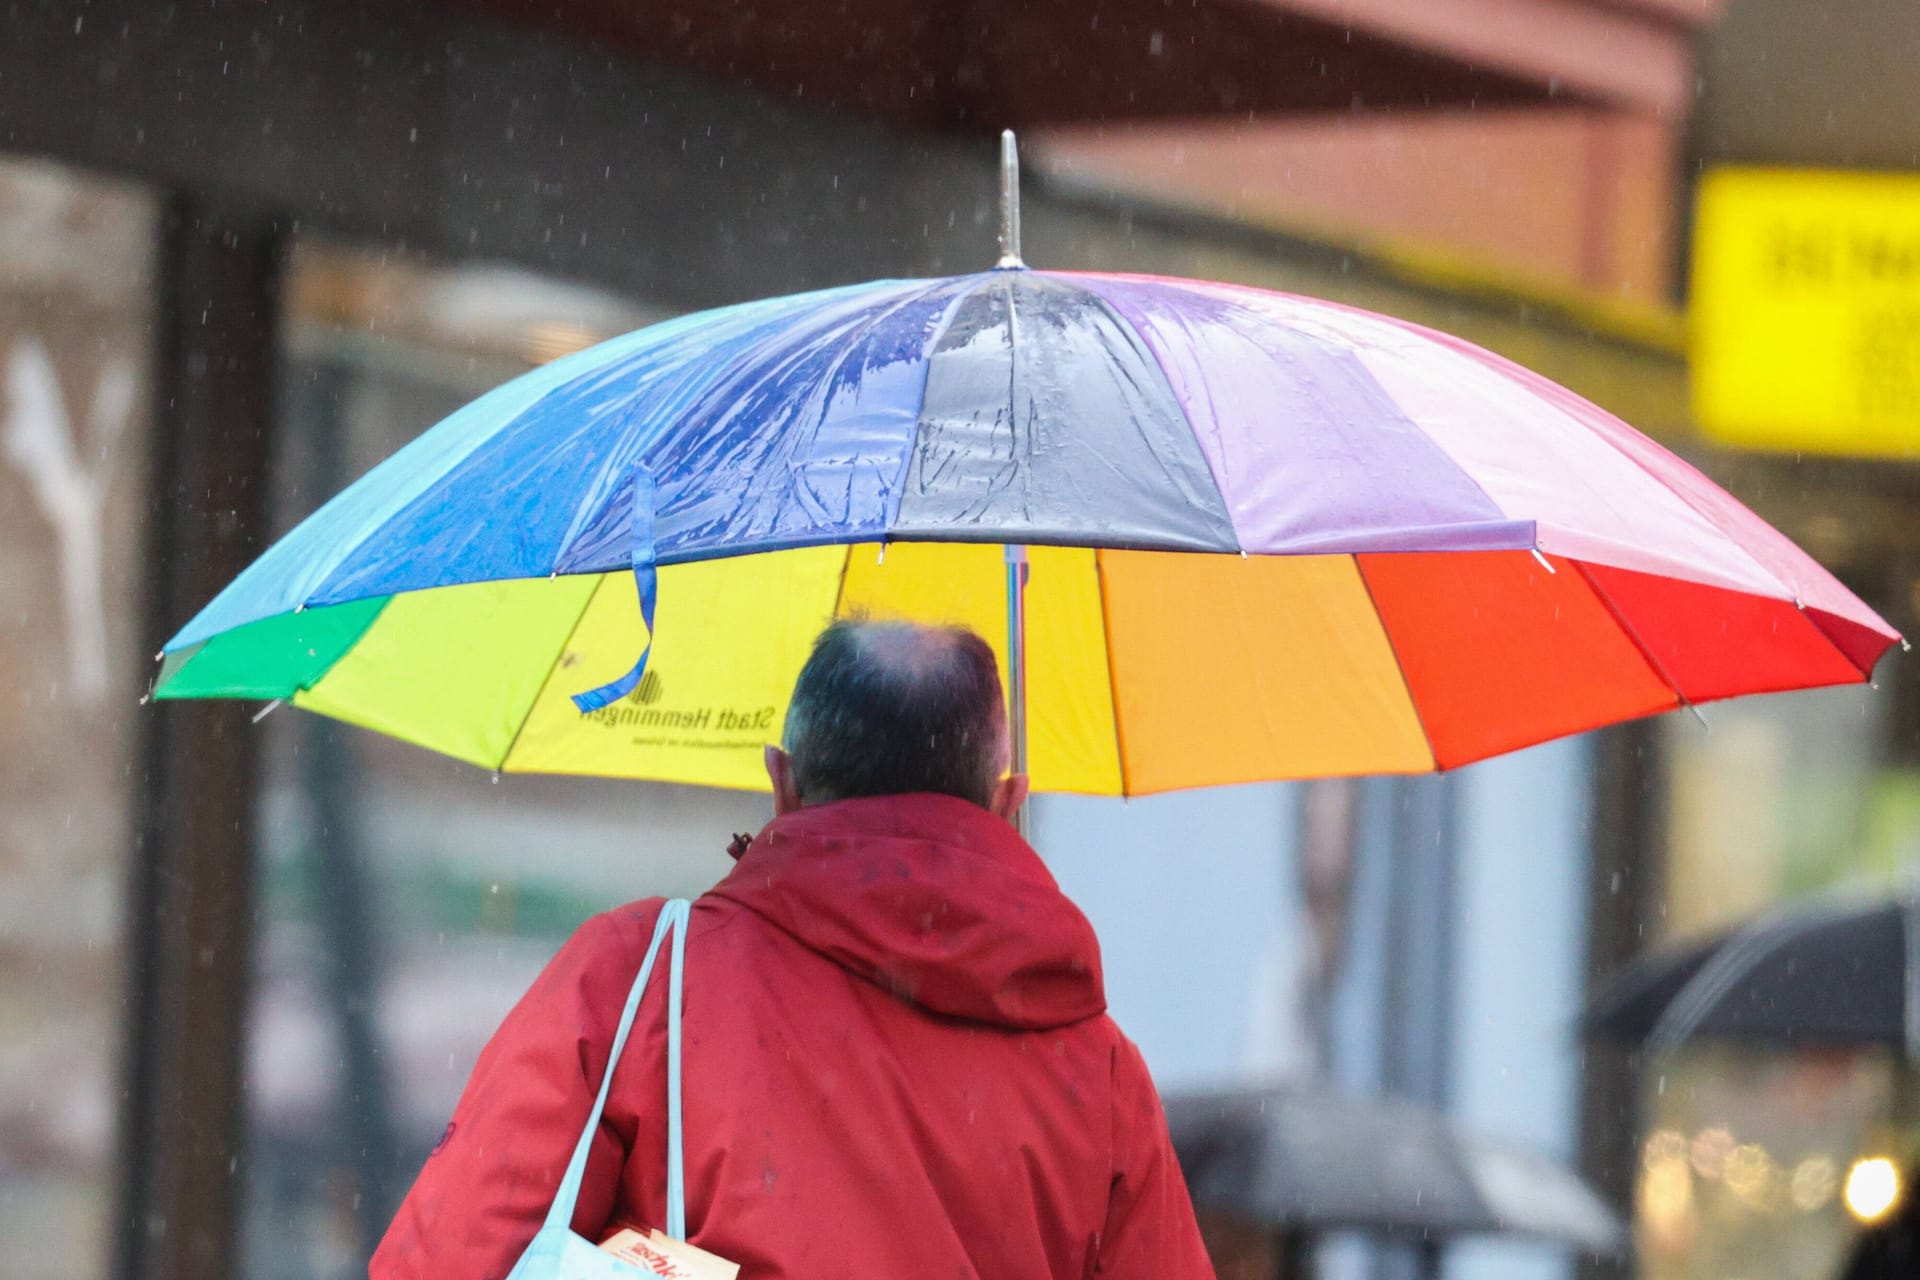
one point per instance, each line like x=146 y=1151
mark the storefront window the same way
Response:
x=1745 y=1162
x=408 y=899
x=76 y=267
x=1780 y=797
x=1746 y=1150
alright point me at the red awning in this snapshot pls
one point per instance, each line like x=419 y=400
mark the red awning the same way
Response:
x=1024 y=63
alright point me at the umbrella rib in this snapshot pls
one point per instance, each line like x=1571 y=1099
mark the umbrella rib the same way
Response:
x=1646 y=654
x=1686 y=501
x=307 y=687
x=1732 y=963
x=1419 y=718
x=1697 y=997
x=840 y=589
x=857 y=331
x=1013 y=395
x=1557 y=396
x=898 y=492
x=554 y=666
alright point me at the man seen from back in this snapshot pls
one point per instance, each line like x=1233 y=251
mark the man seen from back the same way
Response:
x=898 y=1061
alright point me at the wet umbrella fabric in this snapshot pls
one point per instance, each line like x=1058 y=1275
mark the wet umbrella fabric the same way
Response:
x=1309 y=1158
x=1629 y=1003
x=1271 y=538
x=1842 y=972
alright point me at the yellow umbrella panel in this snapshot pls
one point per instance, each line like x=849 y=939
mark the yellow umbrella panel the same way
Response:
x=1147 y=671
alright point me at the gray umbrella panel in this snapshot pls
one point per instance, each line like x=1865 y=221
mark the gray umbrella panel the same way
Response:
x=1309 y=1157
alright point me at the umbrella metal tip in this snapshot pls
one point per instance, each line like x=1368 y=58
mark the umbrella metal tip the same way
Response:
x=1009 y=203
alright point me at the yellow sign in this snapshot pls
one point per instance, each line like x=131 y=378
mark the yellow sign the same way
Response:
x=1806 y=311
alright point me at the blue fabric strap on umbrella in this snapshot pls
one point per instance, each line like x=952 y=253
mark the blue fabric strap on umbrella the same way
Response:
x=646 y=578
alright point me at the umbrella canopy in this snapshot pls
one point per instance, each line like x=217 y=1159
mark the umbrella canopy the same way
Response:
x=1629 y=1004
x=1831 y=973
x=1271 y=538
x=1308 y=1157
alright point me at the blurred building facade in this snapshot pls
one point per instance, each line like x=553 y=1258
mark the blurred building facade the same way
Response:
x=246 y=251
x=1745 y=1153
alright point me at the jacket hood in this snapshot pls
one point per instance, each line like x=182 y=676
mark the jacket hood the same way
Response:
x=932 y=898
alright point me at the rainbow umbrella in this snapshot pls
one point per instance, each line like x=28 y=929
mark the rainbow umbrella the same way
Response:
x=1223 y=535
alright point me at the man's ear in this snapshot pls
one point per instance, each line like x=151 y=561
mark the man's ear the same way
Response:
x=786 y=797
x=1009 y=794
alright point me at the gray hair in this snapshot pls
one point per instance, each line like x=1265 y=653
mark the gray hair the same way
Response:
x=888 y=708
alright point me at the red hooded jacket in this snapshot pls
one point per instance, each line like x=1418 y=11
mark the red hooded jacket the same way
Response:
x=897 y=1062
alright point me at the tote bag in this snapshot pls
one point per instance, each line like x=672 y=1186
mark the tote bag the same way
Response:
x=556 y=1253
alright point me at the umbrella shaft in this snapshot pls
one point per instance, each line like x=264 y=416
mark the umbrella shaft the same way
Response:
x=1017 y=668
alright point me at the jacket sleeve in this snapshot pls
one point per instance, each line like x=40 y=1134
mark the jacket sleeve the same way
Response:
x=1150 y=1230
x=485 y=1190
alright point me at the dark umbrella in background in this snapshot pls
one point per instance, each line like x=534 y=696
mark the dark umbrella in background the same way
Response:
x=1838 y=972
x=1304 y=1157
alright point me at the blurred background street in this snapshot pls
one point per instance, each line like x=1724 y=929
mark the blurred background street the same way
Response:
x=249 y=249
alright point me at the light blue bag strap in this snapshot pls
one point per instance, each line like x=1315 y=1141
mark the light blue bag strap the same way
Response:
x=673 y=919
x=676 y=1168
